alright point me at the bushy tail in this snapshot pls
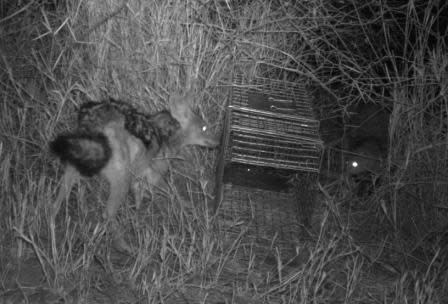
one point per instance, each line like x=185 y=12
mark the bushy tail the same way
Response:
x=87 y=152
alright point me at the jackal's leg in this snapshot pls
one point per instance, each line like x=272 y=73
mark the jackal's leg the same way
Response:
x=118 y=175
x=71 y=176
x=117 y=171
x=118 y=239
x=149 y=181
x=137 y=189
x=119 y=187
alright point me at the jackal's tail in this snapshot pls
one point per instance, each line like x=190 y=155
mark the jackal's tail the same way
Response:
x=87 y=152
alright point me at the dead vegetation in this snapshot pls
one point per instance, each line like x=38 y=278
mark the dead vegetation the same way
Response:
x=388 y=247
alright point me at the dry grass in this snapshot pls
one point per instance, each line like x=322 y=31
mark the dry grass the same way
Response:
x=388 y=248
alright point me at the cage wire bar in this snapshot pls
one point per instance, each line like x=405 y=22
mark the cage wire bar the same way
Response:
x=271 y=124
x=270 y=145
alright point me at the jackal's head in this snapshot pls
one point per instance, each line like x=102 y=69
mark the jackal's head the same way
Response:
x=194 y=130
x=366 y=157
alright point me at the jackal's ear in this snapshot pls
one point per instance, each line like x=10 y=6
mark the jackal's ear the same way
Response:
x=186 y=98
x=189 y=96
x=180 y=106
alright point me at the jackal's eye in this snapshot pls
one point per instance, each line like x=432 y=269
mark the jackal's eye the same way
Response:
x=355 y=164
x=204 y=128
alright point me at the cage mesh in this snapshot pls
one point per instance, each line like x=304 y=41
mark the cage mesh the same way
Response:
x=270 y=123
x=269 y=161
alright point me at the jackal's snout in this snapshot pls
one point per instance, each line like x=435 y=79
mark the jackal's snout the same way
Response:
x=199 y=133
x=210 y=141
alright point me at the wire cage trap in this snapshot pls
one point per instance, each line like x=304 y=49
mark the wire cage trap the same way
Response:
x=270 y=150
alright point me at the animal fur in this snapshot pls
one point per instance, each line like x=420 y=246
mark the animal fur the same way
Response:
x=141 y=146
x=94 y=115
x=89 y=153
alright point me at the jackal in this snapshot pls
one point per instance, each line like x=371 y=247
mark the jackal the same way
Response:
x=366 y=157
x=127 y=147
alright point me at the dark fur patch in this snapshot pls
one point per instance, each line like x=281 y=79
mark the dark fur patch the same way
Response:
x=94 y=115
x=159 y=126
x=151 y=129
x=87 y=152
x=139 y=125
x=166 y=124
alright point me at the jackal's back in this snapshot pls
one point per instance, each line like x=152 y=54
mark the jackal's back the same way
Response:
x=151 y=129
x=93 y=116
